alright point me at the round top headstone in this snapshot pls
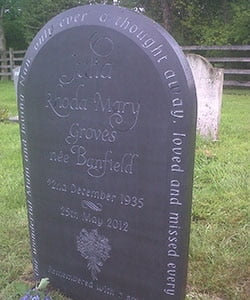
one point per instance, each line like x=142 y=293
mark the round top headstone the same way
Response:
x=107 y=112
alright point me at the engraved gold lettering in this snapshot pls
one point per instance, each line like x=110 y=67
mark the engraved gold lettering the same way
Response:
x=72 y=19
x=124 y=115
x=59 y=157
x=177 y=140
x=162 y=58
x=24 y=72
x=125 y=24
x=148 y=43
x=103 y=18
x=169 y=74
x=105 y=290
x=177 y=102
x=133 y=28
x=157 y=51
x=174 y=87
x=171 y=279
x=141 y=35
x=97 y=167
x=62 y=106
x=96 y=220
x=47 y=33
x=177 y=113
x=173 y=220
x=117 y=224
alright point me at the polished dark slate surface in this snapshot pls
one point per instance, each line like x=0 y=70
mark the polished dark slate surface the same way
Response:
x=107 y=112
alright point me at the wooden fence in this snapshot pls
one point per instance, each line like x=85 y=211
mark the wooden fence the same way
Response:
x=235 y=60
x=9 y=60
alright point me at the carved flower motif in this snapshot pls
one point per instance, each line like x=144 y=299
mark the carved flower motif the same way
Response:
x=94 y=248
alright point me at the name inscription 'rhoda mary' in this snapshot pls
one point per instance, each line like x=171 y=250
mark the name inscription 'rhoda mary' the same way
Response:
x=123 y=115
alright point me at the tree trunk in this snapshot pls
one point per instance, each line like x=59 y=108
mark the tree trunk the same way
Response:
x=166 y=14
x=3 y=53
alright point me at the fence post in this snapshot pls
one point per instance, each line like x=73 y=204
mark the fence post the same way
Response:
x=3 y=65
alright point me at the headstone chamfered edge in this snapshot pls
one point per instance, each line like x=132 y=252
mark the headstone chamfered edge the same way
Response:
x=107 y=110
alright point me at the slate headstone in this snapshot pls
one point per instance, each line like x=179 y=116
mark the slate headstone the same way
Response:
x=107 y=111
x=209 y=86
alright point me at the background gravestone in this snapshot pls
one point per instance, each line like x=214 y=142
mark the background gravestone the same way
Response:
x=15 y=75
x=107 y=117
x=209 y=87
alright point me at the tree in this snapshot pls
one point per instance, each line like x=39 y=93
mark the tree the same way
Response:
x=11 y=34
x=37 y=13
x=159 y=10
x=207 y=22
x=2 y=34
x=5 y=7
x=13 y=28
x=240 y=22
x=210 y=22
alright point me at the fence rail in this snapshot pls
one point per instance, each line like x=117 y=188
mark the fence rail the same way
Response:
x=220 y=48
x=235 y=60
x=229 y=59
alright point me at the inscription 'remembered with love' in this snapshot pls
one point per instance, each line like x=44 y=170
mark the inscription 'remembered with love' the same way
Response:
x=107 y=121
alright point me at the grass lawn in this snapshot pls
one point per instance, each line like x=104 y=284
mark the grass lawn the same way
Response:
x=219 y=249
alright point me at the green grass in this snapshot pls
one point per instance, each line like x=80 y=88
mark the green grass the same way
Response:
x=219 y=249
x=8 y=97
x=219 y=255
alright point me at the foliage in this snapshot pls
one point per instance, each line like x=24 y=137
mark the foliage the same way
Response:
x=240 y=22
x=207 y=22
x=10 y=24
x=13 y=26
x=35 y=13
x=3 y=114
x=211 y=22
x=7 y=97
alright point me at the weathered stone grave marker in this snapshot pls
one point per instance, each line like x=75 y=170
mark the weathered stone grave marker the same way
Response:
x=209 y=87
x=15 y=75
x=107 y=117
